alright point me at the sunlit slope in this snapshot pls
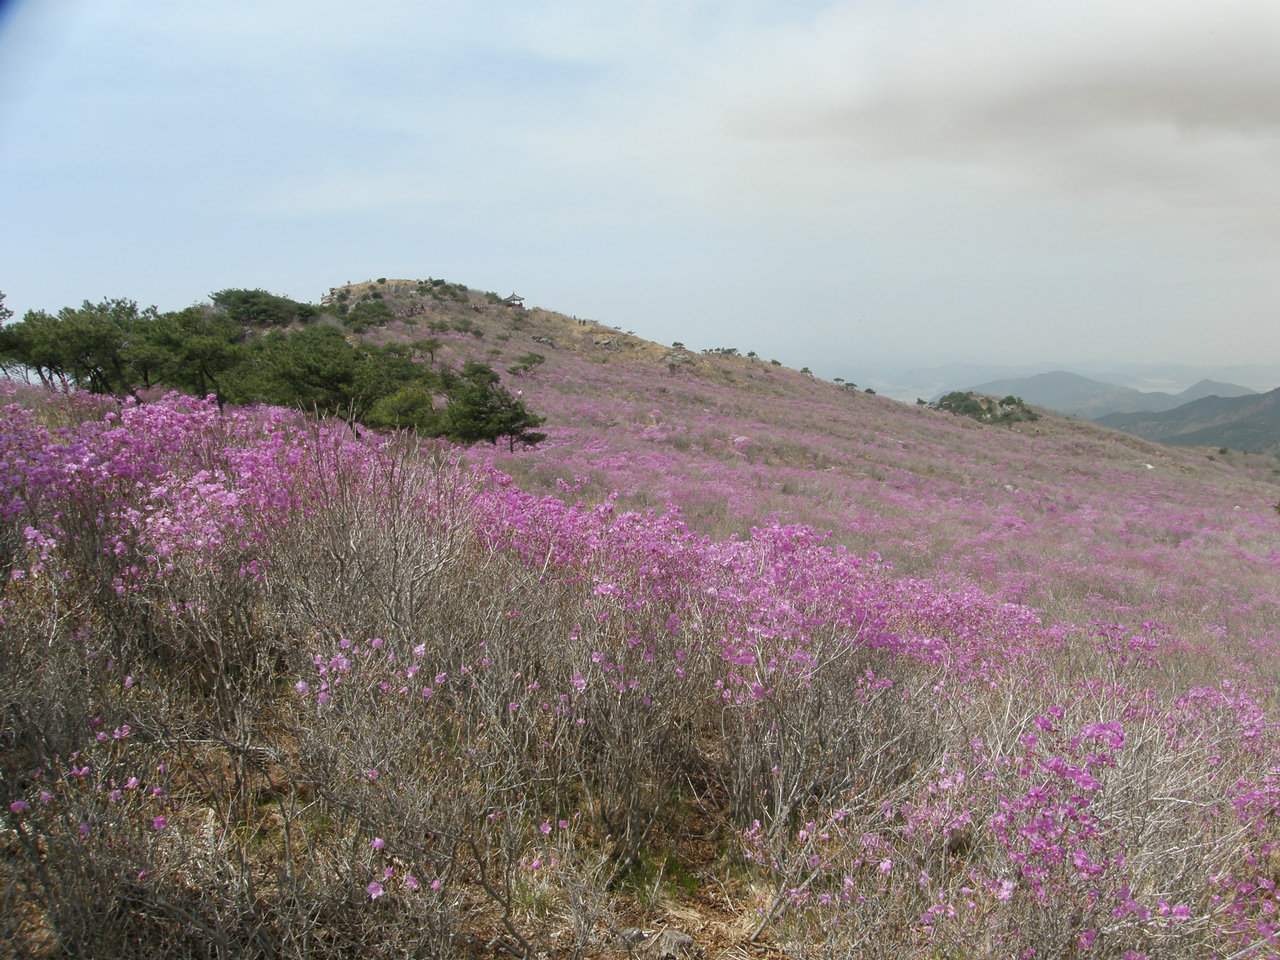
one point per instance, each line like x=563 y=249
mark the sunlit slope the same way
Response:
x=1080 y=522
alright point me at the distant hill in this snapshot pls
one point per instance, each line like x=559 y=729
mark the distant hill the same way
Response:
x=1249 y=423
x=1071 y=393
x=1213 y=388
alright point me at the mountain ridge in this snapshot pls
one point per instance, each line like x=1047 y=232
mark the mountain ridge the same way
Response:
x=1249 y=423
x=1074 y=394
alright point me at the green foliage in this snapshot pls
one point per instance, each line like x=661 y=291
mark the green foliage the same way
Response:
x=112 y=347
x=410 y=408
x=1008 y=411
x=91 y=347
x=526 y=362
x=443 y=290
x=194 y=350
x=429 y=346
x=481 y=409
x=317 y=368
x=258 y=308
x=373 y=312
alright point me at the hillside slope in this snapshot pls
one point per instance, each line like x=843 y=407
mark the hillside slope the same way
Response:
x=1060 y=514
x=274 y=686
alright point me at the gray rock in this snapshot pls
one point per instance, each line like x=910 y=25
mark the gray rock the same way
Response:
x=672 y=943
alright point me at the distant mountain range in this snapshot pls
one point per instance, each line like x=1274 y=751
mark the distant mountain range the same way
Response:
x=1071 y=393
x=1250 y=423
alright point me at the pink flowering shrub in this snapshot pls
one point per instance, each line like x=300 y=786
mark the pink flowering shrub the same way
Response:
x=271 y=688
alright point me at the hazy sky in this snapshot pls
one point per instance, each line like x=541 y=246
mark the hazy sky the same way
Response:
x=832 y=184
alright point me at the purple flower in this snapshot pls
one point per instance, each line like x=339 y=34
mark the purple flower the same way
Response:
x=378 y=843
x=374 y=890
x=159 y=822
x=18 y=806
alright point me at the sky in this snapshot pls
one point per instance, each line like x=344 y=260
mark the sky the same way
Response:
x=839 y=185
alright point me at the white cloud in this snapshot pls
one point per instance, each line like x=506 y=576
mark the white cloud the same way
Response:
x=1170 y=105
x=880 y=175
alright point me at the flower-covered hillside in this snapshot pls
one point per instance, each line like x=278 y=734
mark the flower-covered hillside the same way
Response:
x=273 y=689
